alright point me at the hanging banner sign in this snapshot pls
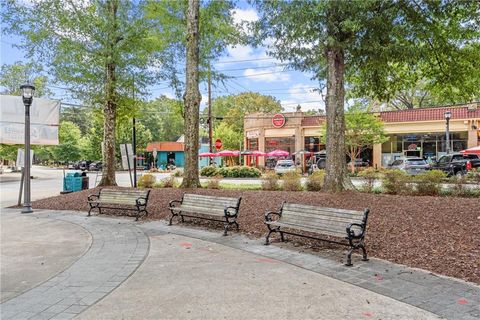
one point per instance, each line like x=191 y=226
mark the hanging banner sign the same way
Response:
x=44 y=121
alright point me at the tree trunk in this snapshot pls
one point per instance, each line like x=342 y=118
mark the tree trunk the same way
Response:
x=336 y=178
x=192 y=98
x=110 y=110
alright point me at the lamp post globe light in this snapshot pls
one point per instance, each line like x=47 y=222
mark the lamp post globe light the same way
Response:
x=27 y=96
x=448 y=116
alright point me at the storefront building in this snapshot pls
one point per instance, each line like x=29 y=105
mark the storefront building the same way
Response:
x=415 y=132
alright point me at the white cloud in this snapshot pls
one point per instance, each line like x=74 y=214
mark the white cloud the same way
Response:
x=301 y=94
x=266 y=75
x=244 y=15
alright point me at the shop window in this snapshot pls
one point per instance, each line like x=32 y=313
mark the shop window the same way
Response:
x=312 y=144
x=283 y=143
x=252 y=144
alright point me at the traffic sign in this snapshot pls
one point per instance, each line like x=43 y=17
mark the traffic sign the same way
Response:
x=218 y=144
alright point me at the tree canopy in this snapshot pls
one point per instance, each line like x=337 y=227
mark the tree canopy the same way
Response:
x=369 y=45
x=14 y=75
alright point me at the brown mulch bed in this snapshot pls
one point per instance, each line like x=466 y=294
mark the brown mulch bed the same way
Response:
x=440 y=234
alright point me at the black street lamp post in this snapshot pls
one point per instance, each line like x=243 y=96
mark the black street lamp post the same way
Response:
x=447 y=115
x=27 y=95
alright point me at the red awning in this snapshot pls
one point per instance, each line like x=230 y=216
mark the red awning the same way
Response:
x=474 y=150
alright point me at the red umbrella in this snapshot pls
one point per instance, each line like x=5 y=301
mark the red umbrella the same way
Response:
x=257 y=153
x=206 y=154
x=474 y=150
x=227 y=153
x=278 y=153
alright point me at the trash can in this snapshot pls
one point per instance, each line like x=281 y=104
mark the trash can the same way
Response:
x=85 y=182
x=72 y=182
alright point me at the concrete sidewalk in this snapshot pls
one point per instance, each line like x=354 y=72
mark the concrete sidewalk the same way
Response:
x=152 y=271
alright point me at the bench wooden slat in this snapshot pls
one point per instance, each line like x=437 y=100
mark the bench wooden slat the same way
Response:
x=201 y=199
x=210 y=207
x=122 y=198
x=310 y=229
x=331 y=225
x=327 y=211
x=215 y=212
x=322 y=216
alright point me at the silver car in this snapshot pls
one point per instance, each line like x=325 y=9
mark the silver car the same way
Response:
x=411 y=165
x=284 y=166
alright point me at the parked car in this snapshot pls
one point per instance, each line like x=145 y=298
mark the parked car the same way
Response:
x=95 y=166
x=84 y=165
x=456 y=163
x=410 y=165
x=71 y=165
x=359 y=162
x=284 y=166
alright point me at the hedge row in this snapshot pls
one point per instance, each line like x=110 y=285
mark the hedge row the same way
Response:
x=231 y=172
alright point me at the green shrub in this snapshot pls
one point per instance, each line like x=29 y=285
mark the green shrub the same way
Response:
x=147 y=181
x=292 y=181
x=461 y=189
x=214 y=182
x=178 y=173
x=429 y=183
x=369 y=175
x=208 y=171
x=239 y=172
x=396 y=182
x=270 y=181
x=474 y=175
x=316 y=180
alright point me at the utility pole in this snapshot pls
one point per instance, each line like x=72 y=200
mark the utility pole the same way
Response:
x=134 y=139
x=210 y=120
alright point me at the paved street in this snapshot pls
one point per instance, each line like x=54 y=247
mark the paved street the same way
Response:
x=48 y=182
x=114 y=268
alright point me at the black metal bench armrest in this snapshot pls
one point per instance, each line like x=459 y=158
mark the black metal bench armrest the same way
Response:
x=93 y=197
x=270 y=213
x=228 y=213
x=170 y=204
x=351 y=233
x=142 y=201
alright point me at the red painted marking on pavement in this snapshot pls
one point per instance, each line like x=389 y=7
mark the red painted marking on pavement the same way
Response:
x=462 y=301
x=186 y=245
x=266 y=260
x=367 y=314
x=378 y=277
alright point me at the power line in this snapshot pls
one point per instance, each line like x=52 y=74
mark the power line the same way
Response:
x=265 y=67
x=262 y=74
x=246 y=60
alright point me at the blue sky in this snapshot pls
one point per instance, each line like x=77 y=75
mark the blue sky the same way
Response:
x=253 y=69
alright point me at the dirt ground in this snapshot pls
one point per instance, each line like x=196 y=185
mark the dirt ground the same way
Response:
x=440 y=234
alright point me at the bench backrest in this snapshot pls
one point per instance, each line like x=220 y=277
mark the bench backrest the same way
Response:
x=328 y=221
x=123 y=196
x=209 y=202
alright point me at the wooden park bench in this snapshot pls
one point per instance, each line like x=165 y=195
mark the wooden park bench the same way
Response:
x=132 y=199
x=221 y=209
x=336 y=223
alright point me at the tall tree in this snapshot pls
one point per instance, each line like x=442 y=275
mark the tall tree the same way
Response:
x=363 y=130
x=12 y=76
x=69 y=148
x=192 y=98
x=95 y=47
x=233 y=108
x=338 y=40
x=164 y=118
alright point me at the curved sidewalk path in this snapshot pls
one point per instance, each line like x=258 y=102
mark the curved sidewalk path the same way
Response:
x=118 y=248
x=148 y=270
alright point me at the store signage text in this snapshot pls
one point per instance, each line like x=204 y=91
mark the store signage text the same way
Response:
x=278 y=120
